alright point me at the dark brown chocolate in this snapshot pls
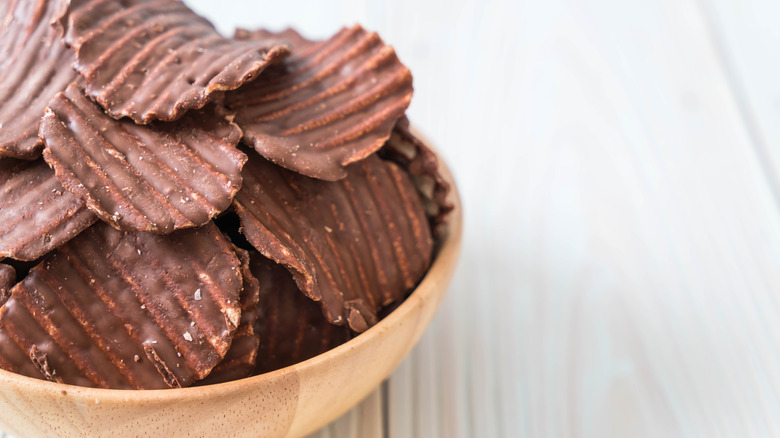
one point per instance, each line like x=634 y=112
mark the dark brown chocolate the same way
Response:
x=12 y=356
x=328 y=105
x=125 y=310
x=158 y=178
x=240 y=360
x=22 y=268
x=156 y=59
x=356 y=245
x=292 y=327
x=36 y=213
x=7 y=281
x=288 y=37
x=34 y=66
x=409 y=152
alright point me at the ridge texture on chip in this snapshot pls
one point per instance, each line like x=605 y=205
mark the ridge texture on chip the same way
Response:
x=36 y=213
x=158 y=178
x=34 y=67
x=118 y=310
x=329 y=104
x=292 y=327
x=356 y=245
x=421 y=163
x=288 y=37
x=156 y=59
x=240 y=360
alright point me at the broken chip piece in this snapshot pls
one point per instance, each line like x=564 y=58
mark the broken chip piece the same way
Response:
x=421 y=163
x=36 y=213
x=116 y=309
x=356 y=245
x=158 y=178
x=13 y=357
x=156 y=59
x=33 y=68
x=240 y=360
x=329 y=104
x=291 y=326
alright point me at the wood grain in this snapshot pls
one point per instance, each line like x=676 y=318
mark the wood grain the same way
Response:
x=743 y=33
x=618 y=166
x=622 y=223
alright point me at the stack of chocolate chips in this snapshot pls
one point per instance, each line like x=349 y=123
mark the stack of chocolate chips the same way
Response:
x=180 y=208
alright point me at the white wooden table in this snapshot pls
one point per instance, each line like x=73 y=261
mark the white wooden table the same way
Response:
x=620 y=169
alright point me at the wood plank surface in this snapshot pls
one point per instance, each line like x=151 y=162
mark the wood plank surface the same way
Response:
x=746 y=36
x=618 y=164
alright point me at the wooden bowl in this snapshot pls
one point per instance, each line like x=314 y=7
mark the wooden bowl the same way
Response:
x=290 y=402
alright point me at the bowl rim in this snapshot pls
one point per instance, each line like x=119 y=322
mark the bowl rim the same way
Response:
x=449 y=243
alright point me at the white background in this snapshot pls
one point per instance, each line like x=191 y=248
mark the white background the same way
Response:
x=619 y=163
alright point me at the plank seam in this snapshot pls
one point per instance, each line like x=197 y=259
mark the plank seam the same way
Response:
x=385 y=408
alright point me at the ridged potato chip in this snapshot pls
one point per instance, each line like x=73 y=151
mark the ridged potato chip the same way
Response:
x=36 y=213
x=355 y=245
x=157 y=59
x=34 y=67
x=329 y=104
x=125 y=310
x=158 y=178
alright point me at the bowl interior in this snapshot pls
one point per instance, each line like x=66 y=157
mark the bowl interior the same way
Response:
x=292 y=401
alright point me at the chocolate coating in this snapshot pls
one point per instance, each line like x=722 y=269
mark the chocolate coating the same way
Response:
x=288 y=37
x=116 y=309
x=158 y=178
x=419 y=161
x=328 y=105
x=34 y=66
x=7 y=281
x=240 y=360
x=36 y=213
x=291 y=326
x=355 y=245
x=156 y=59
